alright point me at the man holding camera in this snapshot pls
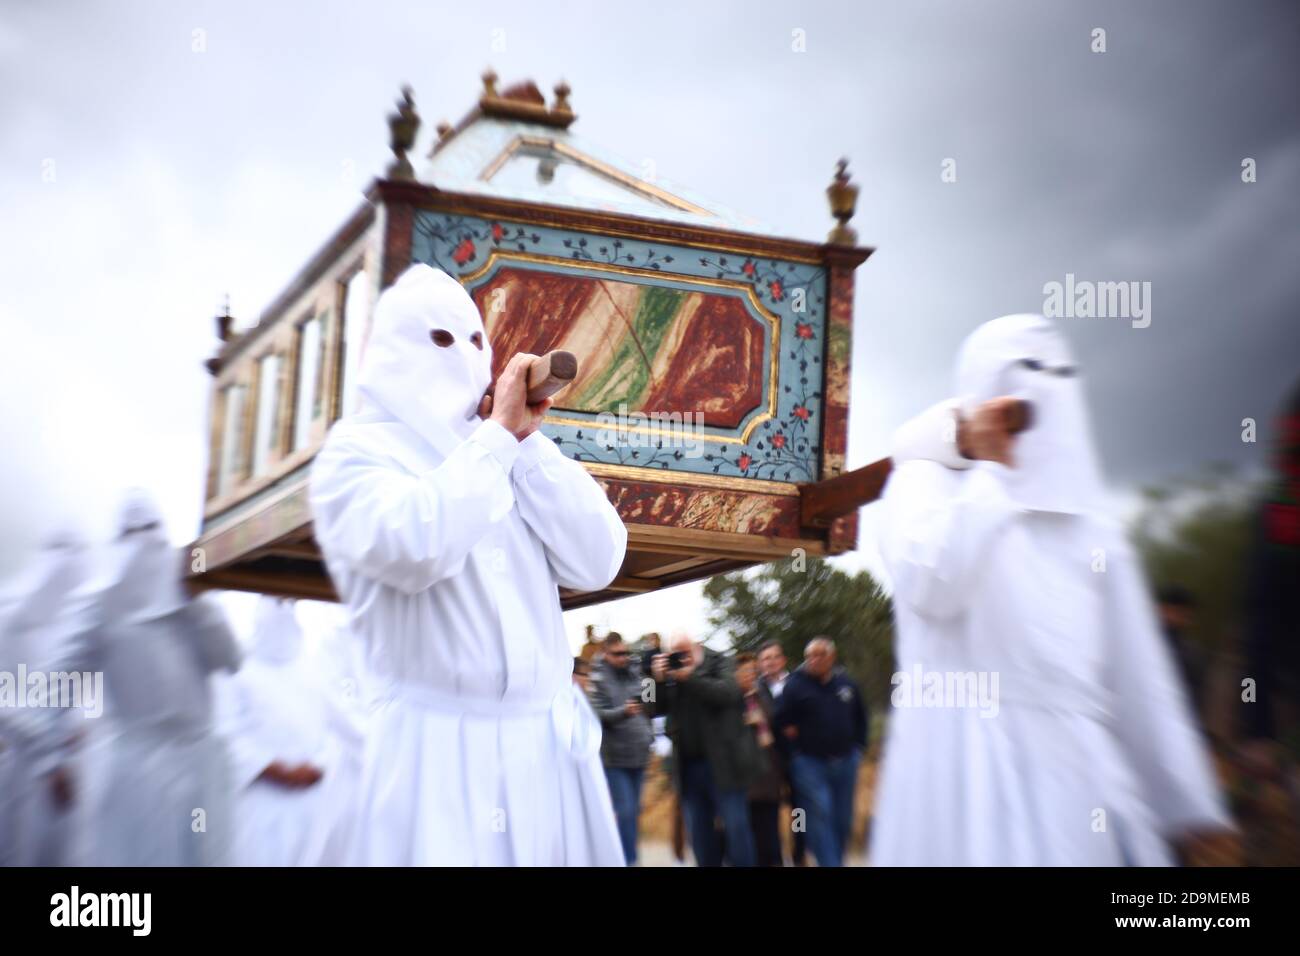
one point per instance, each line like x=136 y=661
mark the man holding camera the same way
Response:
x=715 y=756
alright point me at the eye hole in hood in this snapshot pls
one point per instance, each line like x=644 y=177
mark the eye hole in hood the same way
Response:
x=418 y=367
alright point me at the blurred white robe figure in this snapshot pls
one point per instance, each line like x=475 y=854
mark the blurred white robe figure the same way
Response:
x=446 y=539
x=1087 y=755
x=37 y=741
x=279 y=709
x=157 y=787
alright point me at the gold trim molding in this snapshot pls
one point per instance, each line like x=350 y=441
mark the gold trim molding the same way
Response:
x=669 y=477
x=773 y=320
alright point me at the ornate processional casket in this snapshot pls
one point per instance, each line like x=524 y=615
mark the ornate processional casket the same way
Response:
x=713 y=382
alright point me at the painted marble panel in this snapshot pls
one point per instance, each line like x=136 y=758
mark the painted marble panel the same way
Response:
x=704 y=509
x=640 y=347
x=658 y=327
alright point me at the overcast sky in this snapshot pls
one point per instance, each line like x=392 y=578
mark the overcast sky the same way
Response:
x=140 y=179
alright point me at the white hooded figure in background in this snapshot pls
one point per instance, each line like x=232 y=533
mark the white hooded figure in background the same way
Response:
x=156 y=788
x=1081 y=750
x=446 y=536
x=37 y=742
x=290 y=745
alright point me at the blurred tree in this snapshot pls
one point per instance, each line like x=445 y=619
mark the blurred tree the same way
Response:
x=1196 y=533
x=782 y=603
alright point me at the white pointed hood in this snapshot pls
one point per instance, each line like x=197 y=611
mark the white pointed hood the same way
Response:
x=1027 y=357
x=143 y=578
x=277 y=636
x=433 y=389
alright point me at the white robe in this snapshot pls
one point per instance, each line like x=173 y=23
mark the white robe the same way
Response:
x=156 y=789
x=482 y=752
x=36 y=741
x=278 y=708
x=1091 y=756
x=446 y=539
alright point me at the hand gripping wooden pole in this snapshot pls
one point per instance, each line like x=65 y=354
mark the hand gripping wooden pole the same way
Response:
x=822 y=502
x=547 y=375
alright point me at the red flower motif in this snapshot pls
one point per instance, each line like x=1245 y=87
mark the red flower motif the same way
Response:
x=748 y=269
x=743 y=462
x=800 y=412
x=497 y=232
x=778 y=440
x=1283 y=524
x=775 y=288
x=464 y=252
x=803 y=330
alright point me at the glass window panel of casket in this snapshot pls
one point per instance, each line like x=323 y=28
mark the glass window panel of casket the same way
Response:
x=268 y=412
x=307 y=405
x=356 y=307
x=231 y=438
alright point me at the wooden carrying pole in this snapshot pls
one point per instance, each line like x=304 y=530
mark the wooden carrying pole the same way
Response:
x=822 y=502
x=547 y=375
x=550 y=373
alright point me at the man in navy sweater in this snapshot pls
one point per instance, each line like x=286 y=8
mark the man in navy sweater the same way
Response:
x=822 y=713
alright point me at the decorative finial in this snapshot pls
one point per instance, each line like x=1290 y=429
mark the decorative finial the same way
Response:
x=562 y=92
x=843 y=195
x=489 y=82
x=225 y=321
x=403 y=125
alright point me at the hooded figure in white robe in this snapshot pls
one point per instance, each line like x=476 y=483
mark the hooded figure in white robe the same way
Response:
x=157 y=788
x=278 y=714
x=1081 y=748
x=37 y=740
x=446 y=538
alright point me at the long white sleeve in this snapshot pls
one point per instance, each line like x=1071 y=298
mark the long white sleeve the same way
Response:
x=931 y=435
x=938 y=527
x=405 y=530
x=207 y=627
x=238 y=723
x=584 y=537
x=1154 y=719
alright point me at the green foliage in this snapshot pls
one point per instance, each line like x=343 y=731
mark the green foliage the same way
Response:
x=792 y=606
x=1196 y=533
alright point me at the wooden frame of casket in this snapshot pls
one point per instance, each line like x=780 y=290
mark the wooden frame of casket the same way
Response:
x=713 y=382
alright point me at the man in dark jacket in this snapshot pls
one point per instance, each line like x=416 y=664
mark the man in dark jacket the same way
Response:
x=715 y=757
x=773 y=671
x=622 y=703
x=822 y=714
